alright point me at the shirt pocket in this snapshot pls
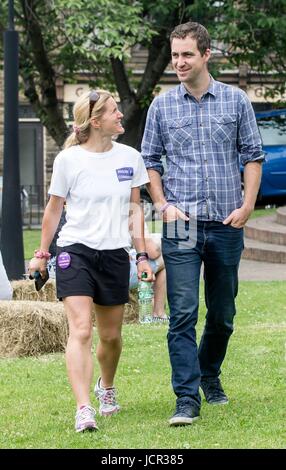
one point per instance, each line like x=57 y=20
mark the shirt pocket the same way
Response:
x=180 y=131
x=223 y=128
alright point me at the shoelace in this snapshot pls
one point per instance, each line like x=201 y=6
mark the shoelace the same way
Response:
x=86 y=412
x=183 y=407
x=109 y=396
x=214 y=388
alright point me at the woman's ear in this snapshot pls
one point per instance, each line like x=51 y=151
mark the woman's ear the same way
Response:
x=95 y=123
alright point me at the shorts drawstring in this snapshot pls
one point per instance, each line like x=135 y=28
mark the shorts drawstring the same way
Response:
x=99 y=259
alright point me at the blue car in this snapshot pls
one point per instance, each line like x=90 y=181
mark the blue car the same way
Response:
x=272 y=127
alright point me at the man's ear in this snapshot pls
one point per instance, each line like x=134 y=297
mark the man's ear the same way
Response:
x=207 y=55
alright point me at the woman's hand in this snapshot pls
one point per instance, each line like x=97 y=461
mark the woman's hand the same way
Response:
x=144 y=267
x=37 y=264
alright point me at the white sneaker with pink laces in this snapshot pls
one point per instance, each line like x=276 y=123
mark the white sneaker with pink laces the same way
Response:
x=107 y=399
x=85 y=419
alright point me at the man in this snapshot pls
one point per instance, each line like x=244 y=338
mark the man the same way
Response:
x=205 y=128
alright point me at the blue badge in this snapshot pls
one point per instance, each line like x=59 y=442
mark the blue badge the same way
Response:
x=125 y=174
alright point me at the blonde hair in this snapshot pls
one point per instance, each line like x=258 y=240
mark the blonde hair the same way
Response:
x=82 y=117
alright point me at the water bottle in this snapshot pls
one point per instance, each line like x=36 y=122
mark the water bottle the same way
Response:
x=145 y=299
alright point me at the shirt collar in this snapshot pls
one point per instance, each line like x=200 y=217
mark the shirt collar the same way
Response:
x=212 y=89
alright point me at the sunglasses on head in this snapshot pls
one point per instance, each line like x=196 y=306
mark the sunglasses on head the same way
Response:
x=93 y=98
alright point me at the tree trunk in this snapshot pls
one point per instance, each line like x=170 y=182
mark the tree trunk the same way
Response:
x=134 y=127
x=134 y=110
x=46 y=105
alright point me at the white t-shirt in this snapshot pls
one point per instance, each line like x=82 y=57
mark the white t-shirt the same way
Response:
x=97 y=189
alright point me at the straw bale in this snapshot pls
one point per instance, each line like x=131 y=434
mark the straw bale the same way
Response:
x=30 y=328
x=25 y=290
x=131 y=309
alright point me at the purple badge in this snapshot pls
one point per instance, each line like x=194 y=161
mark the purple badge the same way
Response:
x=125 y=173
x=64 y=260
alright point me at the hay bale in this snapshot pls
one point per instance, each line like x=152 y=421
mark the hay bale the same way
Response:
x=30 y=328
x=25 y=290
x=131 y=310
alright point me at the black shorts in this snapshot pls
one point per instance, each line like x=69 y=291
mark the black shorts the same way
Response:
x=100 y=274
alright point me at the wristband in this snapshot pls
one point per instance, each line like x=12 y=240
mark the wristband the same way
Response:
x=143 y=253
x=142 y=258
x=165 y=206
x=42 y=254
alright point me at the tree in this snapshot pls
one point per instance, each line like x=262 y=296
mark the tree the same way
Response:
x=253 y=33
x=62 y=38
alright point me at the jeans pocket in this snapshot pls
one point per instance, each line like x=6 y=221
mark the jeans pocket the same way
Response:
x=232 y=245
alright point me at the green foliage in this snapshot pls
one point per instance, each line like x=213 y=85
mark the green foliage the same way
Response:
x=83 y=36
x=102 y=29
x=253 y=32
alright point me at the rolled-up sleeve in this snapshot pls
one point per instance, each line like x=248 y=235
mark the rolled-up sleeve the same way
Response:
x=152 y=147
x=249 y=140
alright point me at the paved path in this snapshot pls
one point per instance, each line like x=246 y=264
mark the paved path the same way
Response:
x=260 y=271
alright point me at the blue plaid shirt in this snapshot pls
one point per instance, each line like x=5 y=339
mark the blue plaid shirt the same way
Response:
x=204 y=143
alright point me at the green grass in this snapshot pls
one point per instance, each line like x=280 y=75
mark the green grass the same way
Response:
x=262 y=212
x=37 y=407
x=32 y=240
x=155 y=226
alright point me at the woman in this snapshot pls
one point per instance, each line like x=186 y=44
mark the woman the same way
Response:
x=100 y=181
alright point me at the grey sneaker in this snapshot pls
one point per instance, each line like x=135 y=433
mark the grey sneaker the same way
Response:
x=107 y=399
x=85 y=419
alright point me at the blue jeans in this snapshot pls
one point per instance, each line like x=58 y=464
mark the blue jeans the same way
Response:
x=185 y=245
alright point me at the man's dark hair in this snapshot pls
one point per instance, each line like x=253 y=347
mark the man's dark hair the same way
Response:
x=196 y=31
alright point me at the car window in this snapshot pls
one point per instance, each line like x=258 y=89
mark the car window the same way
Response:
x=273 y=130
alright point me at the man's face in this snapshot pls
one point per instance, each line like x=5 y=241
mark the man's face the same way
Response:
x=187 y=60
